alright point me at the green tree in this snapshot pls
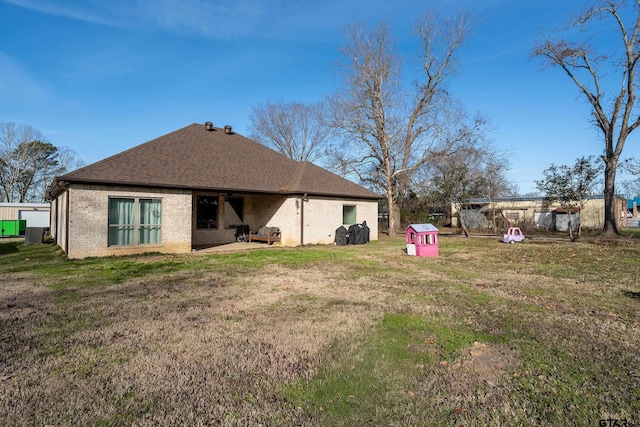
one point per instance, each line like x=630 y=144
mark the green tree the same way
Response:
x=37 y=158
x=570 y=185
x=28 y=163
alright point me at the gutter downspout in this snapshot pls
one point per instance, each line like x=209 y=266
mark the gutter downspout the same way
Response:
x=66 y=225
x=304 y=196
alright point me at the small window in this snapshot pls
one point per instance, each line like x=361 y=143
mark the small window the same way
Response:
x=134 y=221
x=348 y=214
x=207 y=212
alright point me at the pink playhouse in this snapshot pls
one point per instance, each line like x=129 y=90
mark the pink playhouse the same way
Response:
x=422 y=240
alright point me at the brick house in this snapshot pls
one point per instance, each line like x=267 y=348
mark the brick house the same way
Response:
x=193 y=187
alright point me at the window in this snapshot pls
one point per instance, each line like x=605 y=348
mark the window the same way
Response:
x=348 y=214
x=134 y=221
x=207 y=212
x=150 y=220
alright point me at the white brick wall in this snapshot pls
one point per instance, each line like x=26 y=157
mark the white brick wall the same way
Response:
x=88 y=220
x=322 y=216
x=89 y=207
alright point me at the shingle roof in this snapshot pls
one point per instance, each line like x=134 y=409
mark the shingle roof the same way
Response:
x=422 y=228
x=196 y=158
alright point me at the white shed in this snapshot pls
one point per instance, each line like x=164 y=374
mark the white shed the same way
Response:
x=36 y=214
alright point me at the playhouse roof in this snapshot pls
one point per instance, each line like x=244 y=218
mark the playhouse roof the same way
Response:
x=422 y=228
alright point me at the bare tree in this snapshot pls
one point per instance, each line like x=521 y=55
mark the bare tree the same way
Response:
x=613 y=110
x=457 y=182
x=496 y=165
x=294 y=129
x=475 y=171
x=390 y=131
x=630 y=186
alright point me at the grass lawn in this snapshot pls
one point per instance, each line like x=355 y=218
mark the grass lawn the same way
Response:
x=542 y=333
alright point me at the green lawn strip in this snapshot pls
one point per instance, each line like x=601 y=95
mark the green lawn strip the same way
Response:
x=370 y=380
x=288 y=257
x=632 y=233
x=49 y=263
x=16 y=257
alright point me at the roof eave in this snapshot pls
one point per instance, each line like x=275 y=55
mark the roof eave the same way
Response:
x=202 y=188
x=56 y=188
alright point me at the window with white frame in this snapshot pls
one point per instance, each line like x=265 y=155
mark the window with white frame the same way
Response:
x=348 y=214
x=134 y=221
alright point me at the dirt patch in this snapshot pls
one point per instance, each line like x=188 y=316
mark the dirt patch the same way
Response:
x=486 y=363
x=476 y=385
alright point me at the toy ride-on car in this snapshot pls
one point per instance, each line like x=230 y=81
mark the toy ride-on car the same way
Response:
x=514 y=234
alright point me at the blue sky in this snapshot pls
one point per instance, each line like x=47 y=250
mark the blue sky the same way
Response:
x=103 y=76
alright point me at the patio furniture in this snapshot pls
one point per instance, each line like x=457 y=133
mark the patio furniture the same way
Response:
x=265 y=234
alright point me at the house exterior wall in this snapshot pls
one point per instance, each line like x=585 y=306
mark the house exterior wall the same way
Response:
x=322 y=216
x=258 y=210
x=277 y=211
x=53 y=214
x=79 y=219
x=88 y=208
x=212 y=236
x=271 y=211
x=59 y=215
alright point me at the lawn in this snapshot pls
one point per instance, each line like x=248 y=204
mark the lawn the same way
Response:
x=541 y=333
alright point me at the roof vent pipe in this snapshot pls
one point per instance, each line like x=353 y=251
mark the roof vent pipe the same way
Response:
x=208 y=126
x=227 y=129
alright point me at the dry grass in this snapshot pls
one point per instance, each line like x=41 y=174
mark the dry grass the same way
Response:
x=536 y=334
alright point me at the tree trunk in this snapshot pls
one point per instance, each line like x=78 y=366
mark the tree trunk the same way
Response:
x=610 y=214
x=493 y=217
x=581 y=210
x=462 y=224
x=579 y=230
x=394 y=217
x=570 y=224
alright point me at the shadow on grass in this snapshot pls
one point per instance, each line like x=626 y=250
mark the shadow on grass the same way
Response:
x=631 y=294
x=9 y=247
